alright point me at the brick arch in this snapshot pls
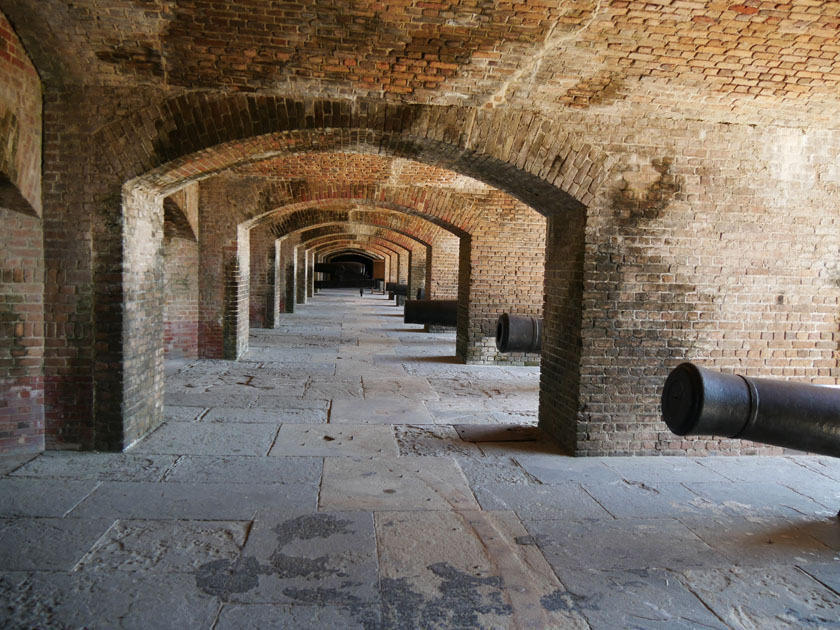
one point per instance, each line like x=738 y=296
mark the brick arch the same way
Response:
x=195 y=135
x=314 y=214
x=406 y=241
x=358 y=252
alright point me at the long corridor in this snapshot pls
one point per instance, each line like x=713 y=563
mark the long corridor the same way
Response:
x=348 y=472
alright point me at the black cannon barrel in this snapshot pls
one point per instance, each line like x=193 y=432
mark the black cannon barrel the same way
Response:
x=396 y=288
x=434 y=312
x=699 y=401
x=518 y=333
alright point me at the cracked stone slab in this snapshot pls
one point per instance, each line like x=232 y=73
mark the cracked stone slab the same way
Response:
x=9 y=463
x=97 y=466
x=290 y=369
x=349 y=368
x=639 y=599
x=291 y=404
x=554 y=468
x=761 y=469
x=103 y=601
x=490 y=471
x=152 y=546
x=777 y=597
x=246 y=470
x=822 y=528
x=406 y=387
x=754 y=499
x=760 y=541
x=219 y=501
x=435 y=441
x=334 y=440
x=47 y=544
x=664 y=469
x=605 y=544
x=300 y=557
x=42 y=497
x=827 y=574
x=405 y=483
x=498 y=433
x=379 y=411
x=174 y=413
x=282 y=415
x=636 y=499
x=261 y=616
x=291 y=389
x=561 y=501
x=466 y=570
x=827 y=466
x=209 y=439
x=545 y=448
x=334 y=389
x=205 y=399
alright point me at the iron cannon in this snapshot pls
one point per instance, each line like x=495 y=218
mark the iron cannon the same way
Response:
x=432 y=312
x=518 y=333
x=801 y=416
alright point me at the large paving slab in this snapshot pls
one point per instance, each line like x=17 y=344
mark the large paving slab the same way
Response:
x=246 y=470
x=639 y=599
x=97 y=466
x=405 y=483
x=432 y=441
x=760 y=542
x=778 y=597
x=561 y=501
x=755 y=499
x=339 y=440
x=466 y=570
x=636 y=499
x=42 y=497
x=334 y=388
x=165 y=546
x=403 y=387
x=304 y=557
x=103 y=601
x=47 y=544
x=219 y=501
x=379 y=411
x=209 y=439
x=285 y=414
x=262 y=616
x=9 y=463
x=625 y=544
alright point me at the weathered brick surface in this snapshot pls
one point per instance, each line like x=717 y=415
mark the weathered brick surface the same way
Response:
x=20 y=125
x=21 y=333
x=22 y=245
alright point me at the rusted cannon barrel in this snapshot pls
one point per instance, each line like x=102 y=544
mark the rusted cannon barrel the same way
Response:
x=699 y=401
x=518 y=333
x=433 y=312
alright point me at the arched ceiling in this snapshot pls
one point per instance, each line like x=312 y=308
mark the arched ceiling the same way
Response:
x=737 y=61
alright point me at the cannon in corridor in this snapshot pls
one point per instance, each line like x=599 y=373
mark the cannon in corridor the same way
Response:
x=518 y=333
x=699 y=401
x=431 y=312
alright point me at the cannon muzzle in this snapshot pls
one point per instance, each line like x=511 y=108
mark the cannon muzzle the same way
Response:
x=801 y=416
x=518 y=333
x=432 y=312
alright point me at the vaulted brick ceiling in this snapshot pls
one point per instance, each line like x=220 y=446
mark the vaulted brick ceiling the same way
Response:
x=746 y=61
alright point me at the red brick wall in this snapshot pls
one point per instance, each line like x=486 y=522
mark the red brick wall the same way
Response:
x=22 y=427
x=180 y=313
x=20 y=121
x=21 y=333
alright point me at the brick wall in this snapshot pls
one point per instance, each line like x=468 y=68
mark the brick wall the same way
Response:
x=22 y=428
x=20 y=125
x=442 y=279
x=180 y=312
x=21 y=333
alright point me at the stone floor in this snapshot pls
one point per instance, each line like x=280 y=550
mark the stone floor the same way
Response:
x=350 y=473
